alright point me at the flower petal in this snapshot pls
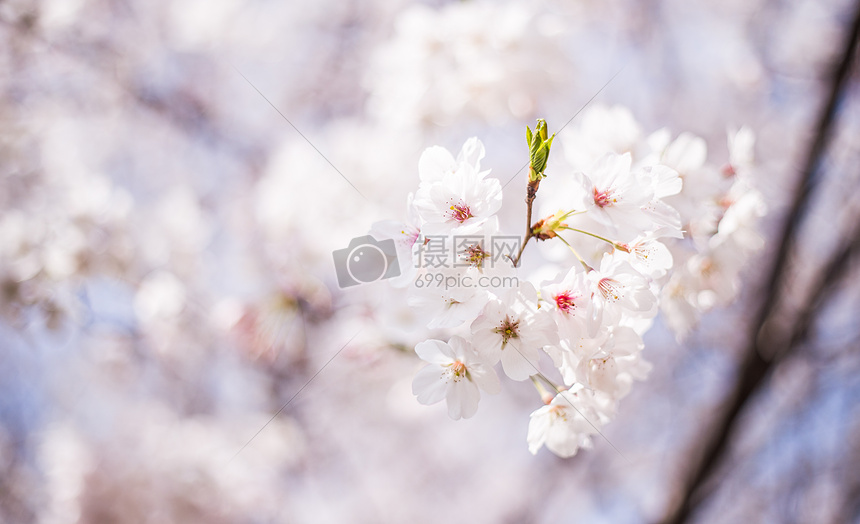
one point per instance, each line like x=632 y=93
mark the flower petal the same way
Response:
x=435 y=352
x=519 y=363
x=463 y=399
x=430 y=385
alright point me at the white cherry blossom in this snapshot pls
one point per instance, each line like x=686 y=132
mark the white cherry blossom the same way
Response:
x=612 y=366
x=513 y=330
x=615 y=197
x=570 y=304
x=459 y=202
x=406 y=237
x=455 y=373
x=740 y=218
x=702 y=183
x=648 y=255
x=741 y=156
x=565 y=424
x=448 y=298
x=617 y=288
x=571 y=350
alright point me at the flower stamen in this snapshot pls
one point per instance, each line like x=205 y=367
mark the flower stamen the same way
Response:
x=460 y=212
x=565 y=302
x=508 y=329
x=610 y=289
x=475 y=255
x=604 y=198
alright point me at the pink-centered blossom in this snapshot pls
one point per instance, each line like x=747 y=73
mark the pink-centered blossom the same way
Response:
x=614 y=196
x=618 y=289
x=459 y=202
x=569 y=302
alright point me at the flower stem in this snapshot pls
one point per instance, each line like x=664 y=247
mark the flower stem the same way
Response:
x=581 y=260
x=545 y=395
x=616 y=245
x=572 y=213
x=550 y=383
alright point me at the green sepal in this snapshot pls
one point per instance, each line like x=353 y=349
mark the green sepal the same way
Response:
x=541 y=128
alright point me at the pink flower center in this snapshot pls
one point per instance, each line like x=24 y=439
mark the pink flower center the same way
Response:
x=461 y=212
x=565 y=302
x=604 y=198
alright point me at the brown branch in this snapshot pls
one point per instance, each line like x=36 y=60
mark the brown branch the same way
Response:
x=531 y=193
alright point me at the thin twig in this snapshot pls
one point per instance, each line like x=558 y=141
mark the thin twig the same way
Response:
x=530 y=199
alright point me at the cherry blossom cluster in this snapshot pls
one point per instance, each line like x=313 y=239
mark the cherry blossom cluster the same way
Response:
x=719 y=206
x=614 y=219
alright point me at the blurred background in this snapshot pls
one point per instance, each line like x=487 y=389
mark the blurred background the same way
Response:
x=175 y=175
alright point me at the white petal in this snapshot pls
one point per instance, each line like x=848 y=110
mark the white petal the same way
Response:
x=435 y=352
x=562 y=441
x=625 y=341
x=543 y=328
x=666 y=181
x=430 y=385
x=519 y=363
x=538 y=427
x=686 y=154
x=609 y=168
x=486 y=378
x=435 y=162
x=471 y=153
x=463 y=399
x=488 y=345
x=602 y=375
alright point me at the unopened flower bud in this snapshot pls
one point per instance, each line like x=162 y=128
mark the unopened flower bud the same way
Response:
x=539 y=146
x=549 y=227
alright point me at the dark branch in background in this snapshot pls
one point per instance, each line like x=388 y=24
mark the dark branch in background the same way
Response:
x=763 y=351
x=833 y=273
x=837 y=267
x=850 y=511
